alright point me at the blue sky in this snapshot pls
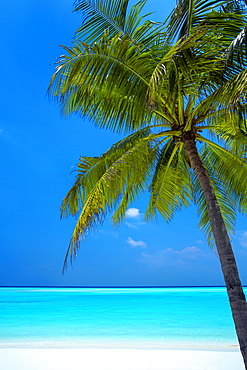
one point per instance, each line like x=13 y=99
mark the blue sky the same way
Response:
x=39 y=149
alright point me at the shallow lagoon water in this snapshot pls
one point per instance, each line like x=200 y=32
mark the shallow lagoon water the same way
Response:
x=123 y=317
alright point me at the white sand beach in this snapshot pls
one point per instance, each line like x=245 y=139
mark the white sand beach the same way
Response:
x=119 y=359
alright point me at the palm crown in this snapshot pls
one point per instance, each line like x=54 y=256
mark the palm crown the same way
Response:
x=131 y=76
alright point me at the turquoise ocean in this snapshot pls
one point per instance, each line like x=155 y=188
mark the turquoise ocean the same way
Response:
x=115 y=317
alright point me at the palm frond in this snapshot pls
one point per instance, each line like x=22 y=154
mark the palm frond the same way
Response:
x=190 y=14
x=91 y=169
x=107 y=82
x=237 y=50
x=228 y=128
x=231 y=169
x=117 y=18
x=232 y=91
x=170 y=188
x=98 y=16
x=186 y=68
x=102 y=182
x=226 y=98
x=73 y=201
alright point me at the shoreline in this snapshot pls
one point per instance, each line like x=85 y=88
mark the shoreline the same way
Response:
x=118 y=346
x=115 y=343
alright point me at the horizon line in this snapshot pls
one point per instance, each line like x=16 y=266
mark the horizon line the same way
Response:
x=114 y=286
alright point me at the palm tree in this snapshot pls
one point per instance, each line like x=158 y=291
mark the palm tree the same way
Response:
x=178 y=90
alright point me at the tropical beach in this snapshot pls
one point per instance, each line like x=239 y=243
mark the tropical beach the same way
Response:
x=117 y=328
x=137 y=128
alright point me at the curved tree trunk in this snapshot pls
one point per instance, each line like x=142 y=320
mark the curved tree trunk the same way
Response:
x=224 y=249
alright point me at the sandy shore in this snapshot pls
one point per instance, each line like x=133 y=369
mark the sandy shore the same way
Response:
x=118 y=359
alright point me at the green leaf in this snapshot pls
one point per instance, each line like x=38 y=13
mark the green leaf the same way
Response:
x=170 y=188
x=121 y=172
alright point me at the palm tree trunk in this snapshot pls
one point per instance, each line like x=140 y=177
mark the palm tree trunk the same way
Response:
x=224 y=249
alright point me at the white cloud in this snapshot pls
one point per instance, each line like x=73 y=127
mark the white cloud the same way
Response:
x=133 y=213
x=131 y=226
x=105 y=232
x=242 y=238
x=170 y=256
x=157 y=259
x=191 y=252
x=199 y=241
x=135 y=243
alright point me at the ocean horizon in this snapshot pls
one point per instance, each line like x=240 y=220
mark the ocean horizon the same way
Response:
x=119 y=317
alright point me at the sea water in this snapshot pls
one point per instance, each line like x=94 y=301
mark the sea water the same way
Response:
x=121 y=317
